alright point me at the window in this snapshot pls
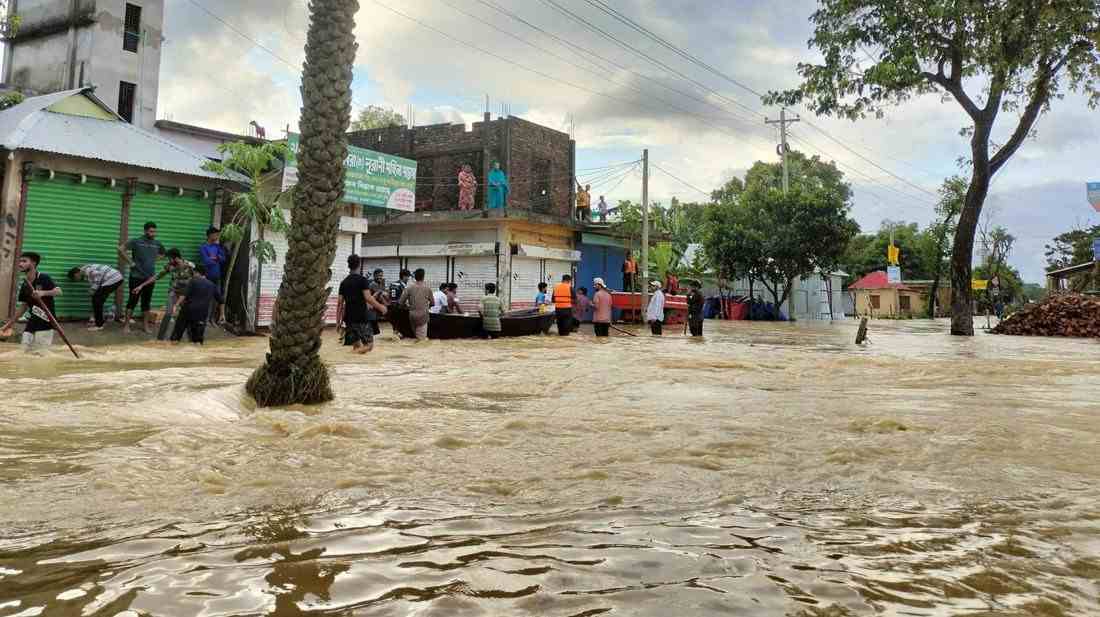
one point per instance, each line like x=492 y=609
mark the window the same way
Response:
x=876 y=302
x=131 y=34
x=903 y=302
x=126 y=92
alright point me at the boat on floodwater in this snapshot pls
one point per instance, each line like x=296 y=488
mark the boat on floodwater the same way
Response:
x=444 y=327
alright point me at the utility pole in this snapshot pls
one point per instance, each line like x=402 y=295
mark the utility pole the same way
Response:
x=645 y=233
x=784 y=148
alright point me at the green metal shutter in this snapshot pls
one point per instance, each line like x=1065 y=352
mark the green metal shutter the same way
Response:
x=181 y=223
x=72 y=224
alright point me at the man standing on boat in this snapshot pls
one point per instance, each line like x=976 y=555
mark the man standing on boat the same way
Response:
x=563 y=304
x=655 y=314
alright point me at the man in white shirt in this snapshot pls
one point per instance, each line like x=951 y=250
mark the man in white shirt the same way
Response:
x=655 y=313
x=102 y=282
x=439 y=300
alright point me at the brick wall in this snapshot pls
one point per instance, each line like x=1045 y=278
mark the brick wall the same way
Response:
x=538 y=161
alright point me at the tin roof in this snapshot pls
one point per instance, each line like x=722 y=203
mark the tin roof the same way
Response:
x=878 y=280
x=31 y=125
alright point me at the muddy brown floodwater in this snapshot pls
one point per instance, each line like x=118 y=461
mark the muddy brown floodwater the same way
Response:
x=769 y=470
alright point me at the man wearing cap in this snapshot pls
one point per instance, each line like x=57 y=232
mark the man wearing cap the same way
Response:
x=655 y=313
x=601 y=304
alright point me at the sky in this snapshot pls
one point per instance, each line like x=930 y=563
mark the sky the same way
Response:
x=567 y=65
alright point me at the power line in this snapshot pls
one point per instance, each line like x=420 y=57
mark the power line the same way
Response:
x=680 y=180
x=245 y=36
x=605 y=8
x=635 y=50
x=522 y=66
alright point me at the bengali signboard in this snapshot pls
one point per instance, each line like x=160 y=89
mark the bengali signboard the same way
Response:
x=893 y=275
x=1093 y=189
x=1096 y=249
x=373 y=178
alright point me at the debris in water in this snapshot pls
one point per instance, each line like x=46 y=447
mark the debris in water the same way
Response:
x=861 y=335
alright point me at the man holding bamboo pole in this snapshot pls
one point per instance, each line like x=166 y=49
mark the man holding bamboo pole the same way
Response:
x=36 y=291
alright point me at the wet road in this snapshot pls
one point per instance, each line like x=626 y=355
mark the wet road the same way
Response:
x=772 y=469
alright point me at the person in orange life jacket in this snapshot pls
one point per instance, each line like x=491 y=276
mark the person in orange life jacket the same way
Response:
x=630 y=271
x=563 y=304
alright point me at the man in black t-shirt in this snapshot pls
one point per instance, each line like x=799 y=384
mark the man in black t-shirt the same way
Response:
x=36 y=287
x=352 y=308
x=194 y=305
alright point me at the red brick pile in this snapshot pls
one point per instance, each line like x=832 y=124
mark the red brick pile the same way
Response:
x=1062 y=314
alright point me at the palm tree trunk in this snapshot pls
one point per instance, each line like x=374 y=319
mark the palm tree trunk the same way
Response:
x=293 y=372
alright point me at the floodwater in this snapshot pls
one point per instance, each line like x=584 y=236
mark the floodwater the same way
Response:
x=771 y=469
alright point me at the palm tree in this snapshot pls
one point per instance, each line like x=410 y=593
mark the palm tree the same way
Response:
x=293 y=372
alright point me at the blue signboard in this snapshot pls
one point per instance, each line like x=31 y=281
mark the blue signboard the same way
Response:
x=1096 y=249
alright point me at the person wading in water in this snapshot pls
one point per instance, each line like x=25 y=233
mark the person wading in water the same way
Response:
x=563 y=304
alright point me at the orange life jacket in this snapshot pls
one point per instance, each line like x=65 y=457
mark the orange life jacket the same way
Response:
x=563 y=295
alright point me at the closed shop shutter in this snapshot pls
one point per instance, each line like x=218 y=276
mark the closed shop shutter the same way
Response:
x=345 y=247
x=181 y=221
x=271 y=277
x=72 y=224
x=471 y=274
x=554 y=269
x=435 y=270
x=391 y=266
x=526 y=276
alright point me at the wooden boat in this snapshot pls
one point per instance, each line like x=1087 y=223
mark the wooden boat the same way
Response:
x=514 y=323
x=453 y=326
x=525 y=323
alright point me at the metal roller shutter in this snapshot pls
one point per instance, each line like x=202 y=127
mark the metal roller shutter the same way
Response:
x=271 y=277
x=72 y=224
x=526 y=276
x=181 y=221
x=345 y=247
x=391 y=266
x=435 y=270
x=471 y=275
x=554 y=269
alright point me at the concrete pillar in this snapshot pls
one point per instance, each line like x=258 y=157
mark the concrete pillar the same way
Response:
x=504 y=265
x=11 y=214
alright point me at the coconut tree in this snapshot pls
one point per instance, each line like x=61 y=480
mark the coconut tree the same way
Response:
x=293 y=372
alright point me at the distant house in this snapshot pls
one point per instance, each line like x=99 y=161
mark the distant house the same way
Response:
x=875 y=296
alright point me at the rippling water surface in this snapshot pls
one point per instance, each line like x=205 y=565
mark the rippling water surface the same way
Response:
x=771 y=469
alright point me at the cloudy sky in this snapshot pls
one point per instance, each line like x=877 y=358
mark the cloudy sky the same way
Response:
x=565 y=63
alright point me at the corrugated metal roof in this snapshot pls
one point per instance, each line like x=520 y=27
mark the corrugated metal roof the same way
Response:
x=31 y=126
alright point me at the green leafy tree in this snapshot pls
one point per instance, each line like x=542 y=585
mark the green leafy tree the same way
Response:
x=261 y=204
x=1010 y=57
x=773 y=237
x=1071 y=248
x=375 y=117
x=293 y=372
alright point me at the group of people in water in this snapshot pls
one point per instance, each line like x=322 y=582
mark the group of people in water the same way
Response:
x=365 y=301
x=194 y=298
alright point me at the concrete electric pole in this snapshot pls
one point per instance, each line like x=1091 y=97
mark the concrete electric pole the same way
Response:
x=783 y=148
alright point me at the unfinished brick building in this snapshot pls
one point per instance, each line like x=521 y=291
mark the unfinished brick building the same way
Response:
x=532 y=240
x=539 y=161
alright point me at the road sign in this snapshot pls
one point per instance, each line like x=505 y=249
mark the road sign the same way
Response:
x=893 y=274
